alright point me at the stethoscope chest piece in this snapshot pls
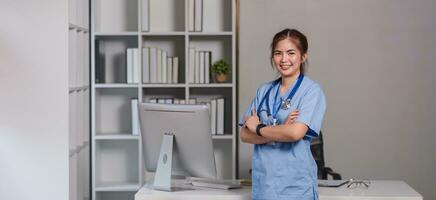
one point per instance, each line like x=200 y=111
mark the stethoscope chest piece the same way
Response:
x=286 y=104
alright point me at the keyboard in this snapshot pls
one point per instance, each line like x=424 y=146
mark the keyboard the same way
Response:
x=213 y=183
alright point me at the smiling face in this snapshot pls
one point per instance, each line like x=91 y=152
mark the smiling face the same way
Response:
x=287 y=58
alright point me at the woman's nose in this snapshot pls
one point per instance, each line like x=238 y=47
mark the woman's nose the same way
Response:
x=283 y=57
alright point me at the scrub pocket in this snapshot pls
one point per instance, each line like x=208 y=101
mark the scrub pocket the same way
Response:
x=293 y=179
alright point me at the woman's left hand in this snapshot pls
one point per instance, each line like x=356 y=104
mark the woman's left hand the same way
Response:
x=252 y=121
x=292 y=117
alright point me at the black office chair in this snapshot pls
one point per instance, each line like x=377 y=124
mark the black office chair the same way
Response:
x=317 y=148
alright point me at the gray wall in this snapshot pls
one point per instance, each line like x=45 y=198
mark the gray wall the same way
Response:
x=34 y=100
x=375 y=62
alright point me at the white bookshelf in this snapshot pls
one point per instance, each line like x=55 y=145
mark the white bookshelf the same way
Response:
x=79 y=95
x=117 y=162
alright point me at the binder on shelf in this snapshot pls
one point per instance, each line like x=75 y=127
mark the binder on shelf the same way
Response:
x=175 y=74
x=153 y=65
x=135 y=70
x=213 y=16
x=145 y=65
x=170 y=70
x=129 y=65
x=191 y=15
x=213 y=114
x=197 y=67
x=135 y=118
x=159 y=66
x=220 y=117
x=191 y=66
x=164 y=67
x=198 y=15
x=207 y=61
x=201 y=67
x=145 y=15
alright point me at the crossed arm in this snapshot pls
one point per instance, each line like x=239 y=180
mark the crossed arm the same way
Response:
x=286 y=132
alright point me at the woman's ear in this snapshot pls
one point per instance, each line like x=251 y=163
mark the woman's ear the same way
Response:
x=304 y=58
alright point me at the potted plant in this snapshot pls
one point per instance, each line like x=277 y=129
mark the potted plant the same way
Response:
x=221 y=68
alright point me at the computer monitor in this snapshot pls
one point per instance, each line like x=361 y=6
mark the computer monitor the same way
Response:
x=192 y=150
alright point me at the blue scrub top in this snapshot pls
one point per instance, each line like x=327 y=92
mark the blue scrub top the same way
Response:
x=287 y=170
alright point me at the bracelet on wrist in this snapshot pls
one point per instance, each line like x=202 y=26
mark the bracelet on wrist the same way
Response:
x=258 y=127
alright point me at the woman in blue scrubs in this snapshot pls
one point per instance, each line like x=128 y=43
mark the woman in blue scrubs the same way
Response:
x=283 y=117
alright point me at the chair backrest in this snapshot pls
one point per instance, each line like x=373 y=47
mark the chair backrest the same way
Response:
x=317 y=148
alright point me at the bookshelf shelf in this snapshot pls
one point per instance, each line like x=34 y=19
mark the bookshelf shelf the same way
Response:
x=212 y=85
x=222 y=137
x=117 y=187
x=120 y=136
x=116 y=34
x=115 y=85
x=224 y=33
x=179 y=33
x=164 y=85
x=157 y=31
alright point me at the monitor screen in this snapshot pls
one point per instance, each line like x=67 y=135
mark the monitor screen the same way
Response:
x=190 y=124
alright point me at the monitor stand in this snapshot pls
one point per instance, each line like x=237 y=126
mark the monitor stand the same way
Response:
x=162 y=177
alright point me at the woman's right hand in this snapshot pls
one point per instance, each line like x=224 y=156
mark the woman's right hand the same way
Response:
x=252 y=121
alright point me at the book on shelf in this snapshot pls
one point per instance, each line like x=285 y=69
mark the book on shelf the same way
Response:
x=201 y=67
x=220 y=116
x=146 y=65
x=207 y=61
x=213 y=14
x=213 y=112
x=145 y=5
x=132 y=65
x=159 y=66
x=129 y=65
x=175 y=74
x=164 y=67
x=198 y=15
x=153 y=65
x=135 y=70
x=191 y=15
x=197 y=67
x=191 y=66
x=135 y=117
x=170 y=69
x=100 y=70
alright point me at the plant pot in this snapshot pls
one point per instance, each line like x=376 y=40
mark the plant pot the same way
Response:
x=220 y=78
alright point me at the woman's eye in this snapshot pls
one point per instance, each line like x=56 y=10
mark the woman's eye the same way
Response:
x=277 y=54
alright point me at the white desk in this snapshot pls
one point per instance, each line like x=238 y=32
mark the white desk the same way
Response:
x=379 y=190
x=188 y=192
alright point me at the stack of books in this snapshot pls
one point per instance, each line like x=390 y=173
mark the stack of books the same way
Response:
x=158 y=67
x=195 y=15
x=199 y=66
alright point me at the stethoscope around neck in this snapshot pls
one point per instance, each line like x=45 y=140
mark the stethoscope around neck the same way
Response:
x=285 y=104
